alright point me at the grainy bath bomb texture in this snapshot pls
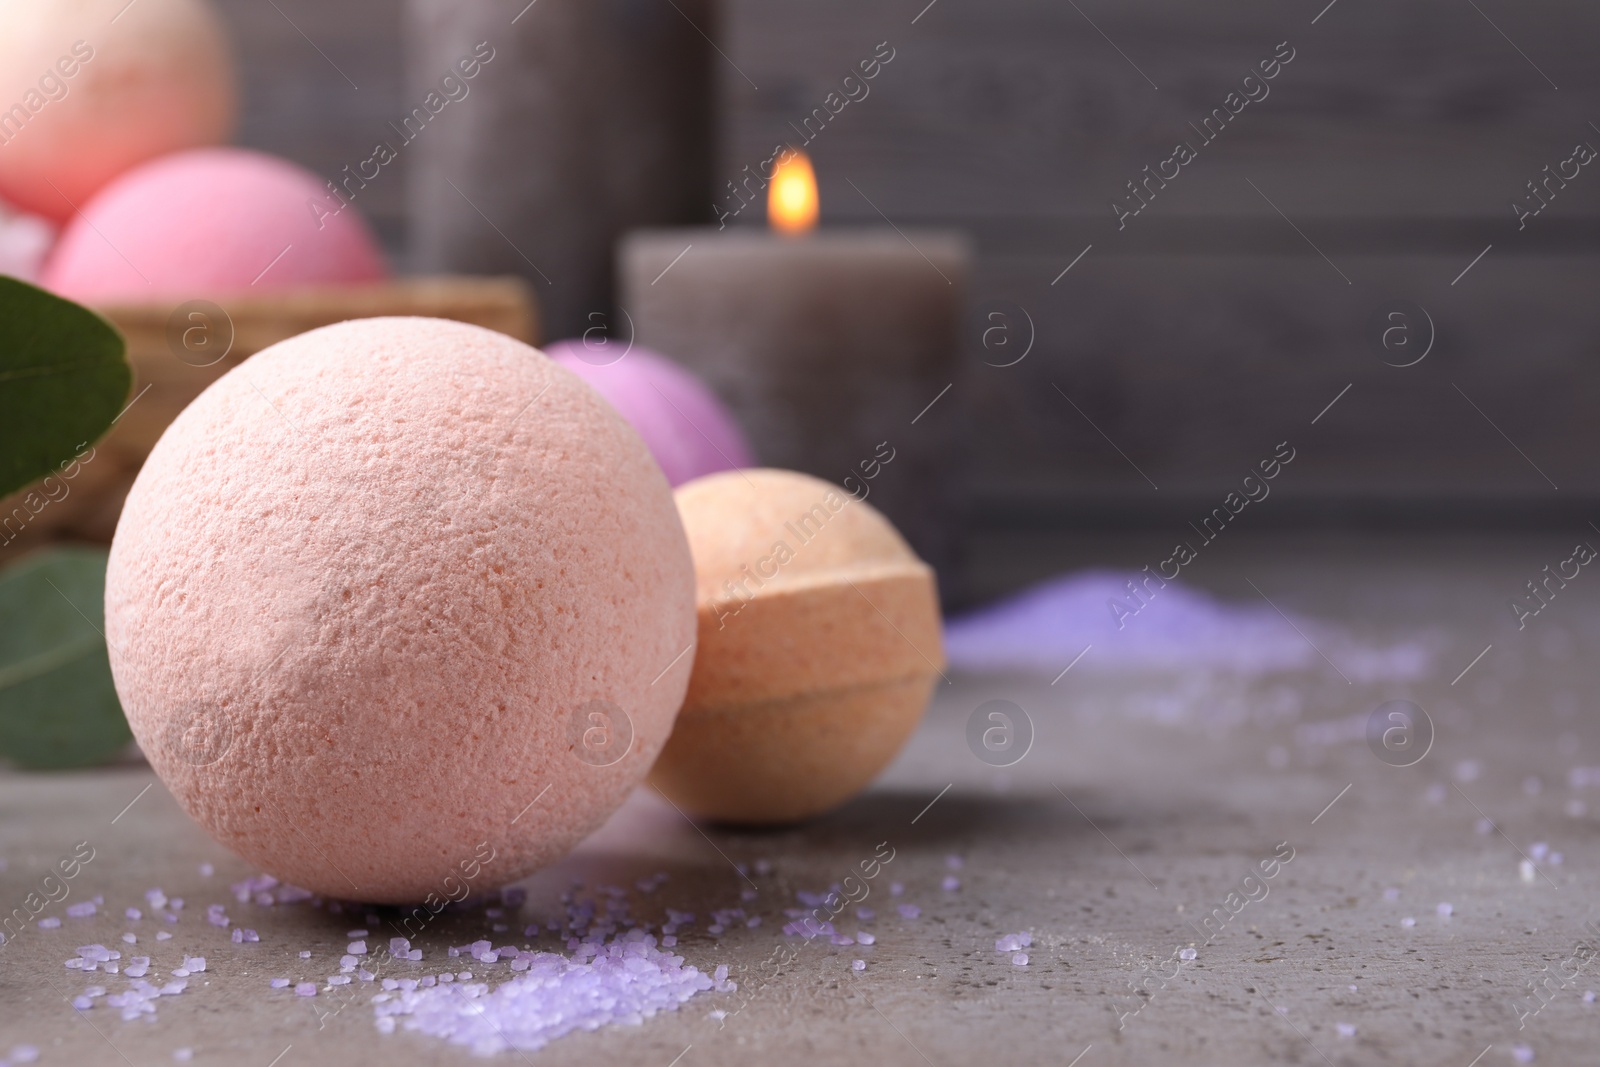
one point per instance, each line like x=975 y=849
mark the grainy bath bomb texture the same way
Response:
x=818 y=647
x=396 y=595
x=102 y=86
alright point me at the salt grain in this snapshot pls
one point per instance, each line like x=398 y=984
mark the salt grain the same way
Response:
x=1019 y=959
x=1527 y=871
x=950 y=884
x=184 y=1055
x=1445 y=910
x=909 y=911
x=279 y=983
x=864 y=938
x=357 y=948
x=1187 y=954
x=858 y=965
x=1522 y=1053
x=1408 y=921
x=162 y=935
x=1345 y=1029
x=306 y=989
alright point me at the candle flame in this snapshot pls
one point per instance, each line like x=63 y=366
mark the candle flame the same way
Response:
x=792 y=197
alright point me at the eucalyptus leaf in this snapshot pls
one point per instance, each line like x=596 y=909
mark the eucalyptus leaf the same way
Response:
x=58 y=707
x=64 y=376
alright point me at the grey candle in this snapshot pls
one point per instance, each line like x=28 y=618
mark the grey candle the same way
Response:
x=826 y=347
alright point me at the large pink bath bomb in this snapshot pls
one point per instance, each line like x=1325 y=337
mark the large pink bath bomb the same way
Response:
x=93 y=88
x=397 y=609
x=211 y=223
x=688 y=430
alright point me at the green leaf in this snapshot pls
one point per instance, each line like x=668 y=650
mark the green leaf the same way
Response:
x=64 y=376
x=58 y=707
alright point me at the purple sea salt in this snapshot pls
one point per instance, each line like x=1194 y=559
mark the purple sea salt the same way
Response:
x=554 y=997
x=909 y=911
x=207 y=870
x=279 y=983
x=864 y=938
x=305 y=989
x=950 y=884
x=357 y=948
x=858 y=965
x=1019 y=959
x=81 y=910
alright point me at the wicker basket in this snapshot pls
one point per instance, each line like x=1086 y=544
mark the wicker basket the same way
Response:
x=174 y=349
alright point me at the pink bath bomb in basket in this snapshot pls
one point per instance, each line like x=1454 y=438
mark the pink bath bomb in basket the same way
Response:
x=212 y=223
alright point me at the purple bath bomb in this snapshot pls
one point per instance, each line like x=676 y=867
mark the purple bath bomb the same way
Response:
x=685 y=426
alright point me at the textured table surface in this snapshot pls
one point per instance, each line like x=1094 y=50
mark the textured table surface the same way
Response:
x=1146 y=799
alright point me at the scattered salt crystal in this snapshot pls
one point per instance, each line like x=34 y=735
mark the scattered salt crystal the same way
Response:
x=184 y=1055
x=238 y=935
x=1008 y=943
x=249 y=936
x=1187 y=954
x=909 y=911
x=194 y=964
x=753 y=922
x=1526 y=870
x=950 y=884
x=414 y=955
x=24 y=1053
x=399 y=946
x=81 y=910
x=1538 y=850
x=858 y=965
x=305 y=954
x=156 y=897
x=866 y=915
x=842 y=940
x=162 y=935
x=82 y=1003
x=306 y=989
x=206 y=870
x=279 y=983
x=1445 y=909
x=1408 y=921
x=1588 y=996
x=134 y=914
x=355 y=933
x=1353 y=987
x=339 y=979
x=180 y=973
x=130 y=939
x=669 y=942
x=896 y=888
x=1019 y=959
x=138 y=967
x=1345 y=1029
x=357 y=948
x=864 y=938
x=1522 y=1053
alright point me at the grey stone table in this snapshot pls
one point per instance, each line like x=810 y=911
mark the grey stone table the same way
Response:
x=1146 y=800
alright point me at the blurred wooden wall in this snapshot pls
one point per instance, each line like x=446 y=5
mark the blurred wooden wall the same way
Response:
x=1208 y=329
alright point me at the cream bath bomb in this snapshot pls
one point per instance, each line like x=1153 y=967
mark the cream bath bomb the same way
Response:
x=93 y=88
x=818 y=646
x=398 y=606
x=211 y=223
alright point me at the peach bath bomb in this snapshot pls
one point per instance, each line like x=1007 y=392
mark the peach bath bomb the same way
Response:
x=211 y=223
x=93 y=88
x=818 y=646
x=688 y=430
x=398 y=607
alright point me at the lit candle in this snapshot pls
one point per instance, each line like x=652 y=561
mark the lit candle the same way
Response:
x=828 y=345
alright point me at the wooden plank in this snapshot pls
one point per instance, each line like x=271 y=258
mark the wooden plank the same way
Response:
x=1020 y=107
